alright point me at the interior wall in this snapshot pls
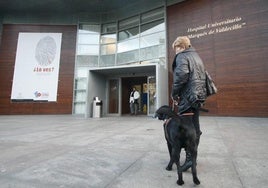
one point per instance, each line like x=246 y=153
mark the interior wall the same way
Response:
x=66 y=72
x=97 y=84
x=233 y=45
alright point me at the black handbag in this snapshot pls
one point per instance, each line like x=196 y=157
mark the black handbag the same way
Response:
x=210 y=85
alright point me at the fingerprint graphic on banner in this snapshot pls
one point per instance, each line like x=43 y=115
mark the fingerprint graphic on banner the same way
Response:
x=45 y=51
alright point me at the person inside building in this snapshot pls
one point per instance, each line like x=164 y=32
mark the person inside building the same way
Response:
x=133 y=101
x=188 y=87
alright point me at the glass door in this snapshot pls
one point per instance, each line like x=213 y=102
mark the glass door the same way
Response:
x=152 y=94
x=113 y=96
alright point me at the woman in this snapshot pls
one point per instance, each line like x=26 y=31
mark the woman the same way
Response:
x=189 y=86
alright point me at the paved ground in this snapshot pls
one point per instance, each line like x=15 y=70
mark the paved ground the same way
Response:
x=126 y=152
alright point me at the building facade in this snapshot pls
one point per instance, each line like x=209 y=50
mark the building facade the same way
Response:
x=109 y=47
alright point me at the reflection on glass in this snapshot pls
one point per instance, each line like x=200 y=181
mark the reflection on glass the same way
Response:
x=110 y=38
x=113 y=96
x=153 y=40
x=128 y=45
x=88 y=39
x=108 y=49
x=129 y=22
x=152 y=46
x=128 y=57
x=128 y=33
x=107 y=60
x=152 y=94
x=149 y=53
x=152 y=15
x=108 y=28
x=79 y=108
x=80 y=96
x=89 y=29
x=153 y=27
x=80 y=83
x=86 y=60
x=87 y=49
x=81 y=72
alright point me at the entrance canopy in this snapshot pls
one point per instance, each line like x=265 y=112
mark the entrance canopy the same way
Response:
x=99 y=77
x=126 y=70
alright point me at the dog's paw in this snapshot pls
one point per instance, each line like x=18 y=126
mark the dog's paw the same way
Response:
x=169 y=168
x=180 y=182
x=196 y=181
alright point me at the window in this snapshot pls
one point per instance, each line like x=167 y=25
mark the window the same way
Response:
x=108 y=38
x=108 y=49
x=108 y=28
x=89 y=29
x=153 y=40
x=128 y=57
x=107 y=60
x=128 y=45
x=128 y=33
x=153 y=27
x=84 y=49
x=129 y=22
x=88 y=40
x=152 y=15
x=108 y=44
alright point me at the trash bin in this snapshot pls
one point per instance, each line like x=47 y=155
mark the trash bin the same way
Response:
x=97 y=106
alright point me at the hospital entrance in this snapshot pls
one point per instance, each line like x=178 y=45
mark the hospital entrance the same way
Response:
x=146 y=87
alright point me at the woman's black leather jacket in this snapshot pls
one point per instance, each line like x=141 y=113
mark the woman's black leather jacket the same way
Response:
x=188 y=80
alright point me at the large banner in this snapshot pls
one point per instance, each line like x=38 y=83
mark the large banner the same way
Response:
x=36 y=67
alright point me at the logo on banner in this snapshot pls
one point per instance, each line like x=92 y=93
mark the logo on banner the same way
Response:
x=39 y=94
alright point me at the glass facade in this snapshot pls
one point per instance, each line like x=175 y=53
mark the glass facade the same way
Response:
x=138 y=39
x=87 y=55
x=108 y=46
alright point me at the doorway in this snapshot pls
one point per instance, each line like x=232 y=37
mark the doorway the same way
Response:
x=114 y=85
x=140 y=83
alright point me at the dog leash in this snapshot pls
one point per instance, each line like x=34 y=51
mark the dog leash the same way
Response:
x=184 y=114
x=173 y=105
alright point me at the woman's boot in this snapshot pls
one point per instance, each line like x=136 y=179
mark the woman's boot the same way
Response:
x=188 y=162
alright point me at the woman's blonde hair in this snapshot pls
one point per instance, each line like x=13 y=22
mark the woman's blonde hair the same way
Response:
x=182 y=41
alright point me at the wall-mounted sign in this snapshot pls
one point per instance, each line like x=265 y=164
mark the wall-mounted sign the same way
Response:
x=36 y=67
x=221 y=26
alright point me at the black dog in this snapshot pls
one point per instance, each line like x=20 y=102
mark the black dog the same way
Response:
x=179 y=133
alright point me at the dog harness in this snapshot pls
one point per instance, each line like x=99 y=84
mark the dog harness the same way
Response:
x=165 y=127
x=168 y=120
